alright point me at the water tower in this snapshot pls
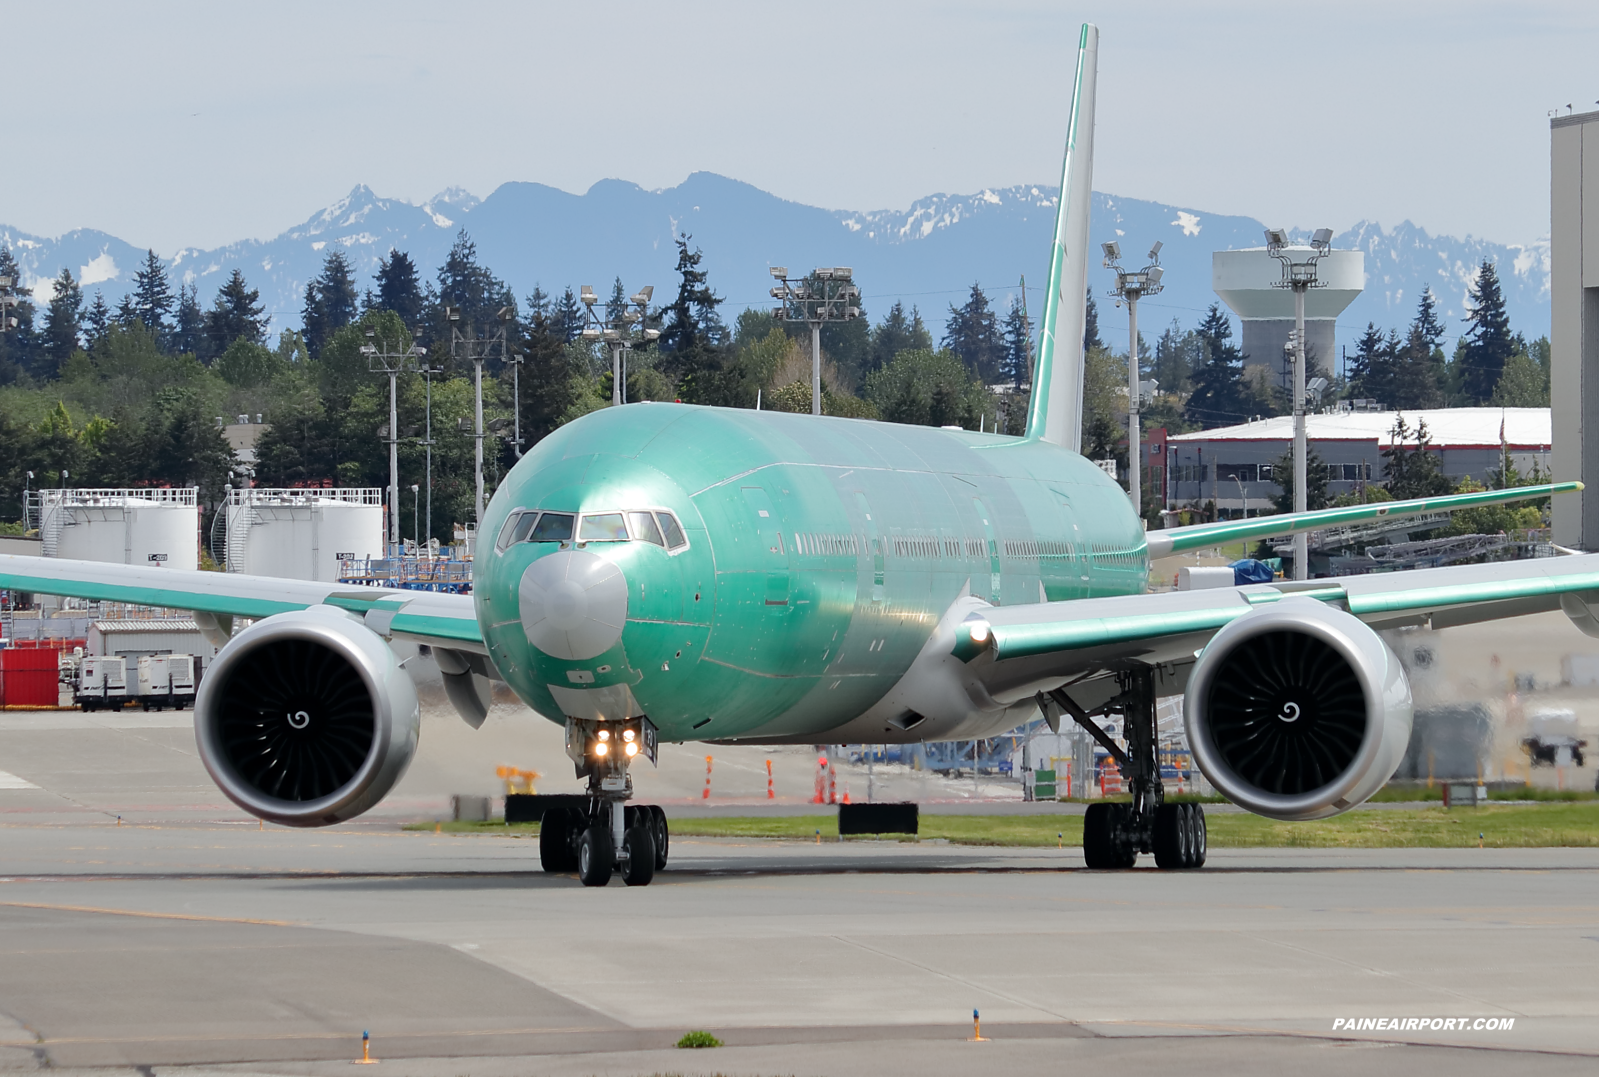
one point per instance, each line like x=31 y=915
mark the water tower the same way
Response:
x=1247 y=282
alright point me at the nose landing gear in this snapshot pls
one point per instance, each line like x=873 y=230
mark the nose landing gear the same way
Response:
x=608 y=837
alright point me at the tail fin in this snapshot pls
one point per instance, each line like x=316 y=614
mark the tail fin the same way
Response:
x=1056 y=411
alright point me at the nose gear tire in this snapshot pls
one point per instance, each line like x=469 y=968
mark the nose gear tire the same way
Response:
x=638 y=856
x=555 y=842
x=596 y=856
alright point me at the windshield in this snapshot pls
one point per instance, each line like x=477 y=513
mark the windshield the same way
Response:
x=553 y=527
x=604 y=527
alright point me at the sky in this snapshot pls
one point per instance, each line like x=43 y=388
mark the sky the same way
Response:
x=197 y=124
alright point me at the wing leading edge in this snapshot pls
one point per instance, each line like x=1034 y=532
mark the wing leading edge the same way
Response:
x=1199 y=536
x=446 y=620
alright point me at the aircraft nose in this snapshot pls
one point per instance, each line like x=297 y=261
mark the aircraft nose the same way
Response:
x=573 y=604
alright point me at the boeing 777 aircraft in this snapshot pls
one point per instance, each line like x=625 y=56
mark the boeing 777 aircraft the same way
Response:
x=661 y=571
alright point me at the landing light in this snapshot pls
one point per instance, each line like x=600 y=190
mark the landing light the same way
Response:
x=601 y=748
x=631 y=749
x=978 y=631
x=604 y=734
x=627 y=734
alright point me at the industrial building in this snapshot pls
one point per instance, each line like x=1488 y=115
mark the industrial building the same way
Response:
x=302 y=534
x=1574 y=321
x=156 y=527
x=1232 y=465
x=147 y=636
x=1247 y=281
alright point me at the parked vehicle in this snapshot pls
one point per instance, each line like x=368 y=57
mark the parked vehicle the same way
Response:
x=102 y=683
x=168 y=680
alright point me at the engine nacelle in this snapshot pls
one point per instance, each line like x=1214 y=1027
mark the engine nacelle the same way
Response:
x=306 y=718
x=1297 y=711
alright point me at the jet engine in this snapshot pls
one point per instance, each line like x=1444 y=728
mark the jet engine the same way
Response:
x=1297 y=711
x=306 y=718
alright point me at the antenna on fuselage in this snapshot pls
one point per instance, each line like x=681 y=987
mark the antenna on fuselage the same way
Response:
x=1055 y=412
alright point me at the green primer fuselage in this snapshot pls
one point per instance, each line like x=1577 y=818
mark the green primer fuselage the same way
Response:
x=822 y=553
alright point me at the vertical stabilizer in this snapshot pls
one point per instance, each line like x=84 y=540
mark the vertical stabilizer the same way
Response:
x=1056 y=410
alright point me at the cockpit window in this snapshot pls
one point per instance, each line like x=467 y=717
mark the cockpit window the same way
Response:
x=603 y=527
x=509 y=530
x=523 y=526
x=671 y=530
x=553 y=527
x=644 y=529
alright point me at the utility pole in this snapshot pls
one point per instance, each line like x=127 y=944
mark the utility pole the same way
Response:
x=391 y=363
x=477 y=349
x=618 y=334
x=828 y=295
x=1130 y=285
x=1301 y=277
x=428 y=370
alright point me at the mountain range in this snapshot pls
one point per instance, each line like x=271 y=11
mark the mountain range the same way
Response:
x=927 y=255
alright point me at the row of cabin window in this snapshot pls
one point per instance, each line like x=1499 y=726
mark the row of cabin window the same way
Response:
x=659 y=527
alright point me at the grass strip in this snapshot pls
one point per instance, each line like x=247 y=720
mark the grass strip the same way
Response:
x=1501 y=826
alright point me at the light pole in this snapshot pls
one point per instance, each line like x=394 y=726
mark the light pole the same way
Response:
x=391 y=363
x=428 y=370
x=10 y=296
x=515 y=360
x=1130 y=285
x=828 y=295
x=416 y=498
x=1301 y=277
x=617 y=333
x=477 y=350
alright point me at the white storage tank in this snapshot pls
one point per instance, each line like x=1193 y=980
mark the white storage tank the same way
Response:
x=155 y=527
x=302 y=534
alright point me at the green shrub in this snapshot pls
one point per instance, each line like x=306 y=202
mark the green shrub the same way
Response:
x=699 y=1038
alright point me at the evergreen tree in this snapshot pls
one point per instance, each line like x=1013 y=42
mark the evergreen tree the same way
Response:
x=236 y=314
x=1178 y=353
x=929 y=389
x=1371 y=370
x=1427 y=324
x=1091 y=325
x=616 y=306
x=1487 y=343
x=568 y=321
x=127 y=314
x=1418 y=371
x=1018 y=362
x=892 y=336
x=972 y=333
x=313 y=318
x=1219 y=394
x=1522 y=384
x=96 y=321
x=17 y=344
x=691 y=330
x=1413 y=472
x=1282 y=473
x=399 y=288
x=152 y=295
x=466 y=284
x=62 y=320
x=188 y=329
x=538 y=306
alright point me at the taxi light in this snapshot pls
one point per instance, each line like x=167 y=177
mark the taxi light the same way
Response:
x=627 y=734
x=601 y=748
x=632 y=749
x=978 y=631
x=605 y=734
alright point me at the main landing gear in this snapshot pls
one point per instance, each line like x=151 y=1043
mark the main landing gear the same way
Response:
x=1115 y=833
x=608 y=836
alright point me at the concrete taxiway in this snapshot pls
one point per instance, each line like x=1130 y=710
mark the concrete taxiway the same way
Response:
x=189 y=938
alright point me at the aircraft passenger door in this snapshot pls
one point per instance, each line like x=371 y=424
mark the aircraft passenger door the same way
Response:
x=874 y=546
x=774 y=552
x=993 y=549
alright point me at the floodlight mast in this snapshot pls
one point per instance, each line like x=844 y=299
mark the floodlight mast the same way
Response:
x=1301 y=277
x=1130 y=285
x=477 y=350
x=618 y=334
x=828 y=295
x=391 y=363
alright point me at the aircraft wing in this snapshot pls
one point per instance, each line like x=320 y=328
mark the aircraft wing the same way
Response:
x=1012 y=649
x=442 y=619
x=1199 y=536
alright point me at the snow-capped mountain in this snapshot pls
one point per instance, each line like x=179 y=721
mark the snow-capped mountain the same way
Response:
x=927 y=254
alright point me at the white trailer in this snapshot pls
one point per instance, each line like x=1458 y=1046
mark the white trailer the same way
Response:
x=167 y=680
x=102 y=683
